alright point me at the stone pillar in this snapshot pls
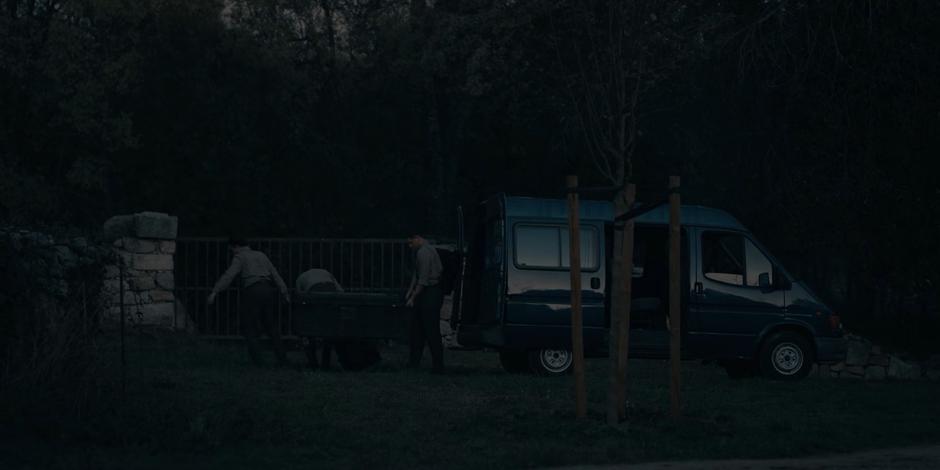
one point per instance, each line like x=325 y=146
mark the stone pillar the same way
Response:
x=145 y=244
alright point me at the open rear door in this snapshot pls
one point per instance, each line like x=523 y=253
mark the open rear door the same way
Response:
x=461 y=271
x=483 y=283
x=492 y=287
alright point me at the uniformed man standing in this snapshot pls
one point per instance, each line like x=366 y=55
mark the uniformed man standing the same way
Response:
x=426 y=298
x=260 y=285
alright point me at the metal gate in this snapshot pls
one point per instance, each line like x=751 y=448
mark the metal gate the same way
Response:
x=358 y=264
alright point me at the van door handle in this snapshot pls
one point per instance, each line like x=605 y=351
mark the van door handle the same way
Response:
x=699 y=290
x=595 y=283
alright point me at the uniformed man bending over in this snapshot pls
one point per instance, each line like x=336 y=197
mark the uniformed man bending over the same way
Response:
x=260 y=284
x=426 y=298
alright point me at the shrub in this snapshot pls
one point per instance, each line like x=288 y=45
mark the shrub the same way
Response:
x=50 y=309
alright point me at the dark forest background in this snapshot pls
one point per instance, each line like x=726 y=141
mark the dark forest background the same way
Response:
x=816 y=123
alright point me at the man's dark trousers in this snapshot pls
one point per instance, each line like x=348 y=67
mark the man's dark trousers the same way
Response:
x=258 y=314
x=426 y=327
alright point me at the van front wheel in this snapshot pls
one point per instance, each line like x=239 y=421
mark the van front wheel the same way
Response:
x=786 y=356
x=550 y=361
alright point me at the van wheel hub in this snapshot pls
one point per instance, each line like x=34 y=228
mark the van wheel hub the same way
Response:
x=555 y=360
x=787 y=358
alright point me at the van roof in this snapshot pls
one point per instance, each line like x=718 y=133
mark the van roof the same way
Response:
x=604 y=210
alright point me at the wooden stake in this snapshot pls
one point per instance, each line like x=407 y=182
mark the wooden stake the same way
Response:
x=577 y=335
x=623 y=331
x=675 y=321
x=615 y=291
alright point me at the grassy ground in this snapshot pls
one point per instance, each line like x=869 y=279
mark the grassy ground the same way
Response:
x=196 y=405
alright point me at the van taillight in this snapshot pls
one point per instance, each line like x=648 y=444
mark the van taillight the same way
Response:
x=835 y=322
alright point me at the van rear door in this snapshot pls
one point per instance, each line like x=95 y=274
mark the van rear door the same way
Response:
x=493 y=263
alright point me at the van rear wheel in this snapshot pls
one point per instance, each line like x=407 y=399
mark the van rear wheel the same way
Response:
x=550 y=361
x=514 y=362
x=786 y=355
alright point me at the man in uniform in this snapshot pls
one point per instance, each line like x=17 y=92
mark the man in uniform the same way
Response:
x=426 y=298
x=260 y=285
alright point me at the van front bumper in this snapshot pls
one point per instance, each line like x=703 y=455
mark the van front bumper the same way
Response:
x=829 y=350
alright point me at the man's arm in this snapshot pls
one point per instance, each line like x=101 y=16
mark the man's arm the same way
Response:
x=227 y=277
x=278 y=280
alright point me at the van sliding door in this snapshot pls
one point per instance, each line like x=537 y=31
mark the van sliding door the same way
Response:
x=539 y=281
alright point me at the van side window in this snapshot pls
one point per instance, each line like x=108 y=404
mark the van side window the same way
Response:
x=757 y=264
x=723 y=257
x=538 y=246
x=733 y=259
x=588 y=248
x=547 y=246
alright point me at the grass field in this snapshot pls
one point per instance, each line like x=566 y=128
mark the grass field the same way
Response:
x=191 y=404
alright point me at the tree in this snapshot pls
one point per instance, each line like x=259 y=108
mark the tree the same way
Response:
x=610 y=53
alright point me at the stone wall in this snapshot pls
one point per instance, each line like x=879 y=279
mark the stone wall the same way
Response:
x=145 y=244
x=866 y=361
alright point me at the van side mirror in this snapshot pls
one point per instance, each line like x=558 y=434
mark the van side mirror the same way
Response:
x=763 y=281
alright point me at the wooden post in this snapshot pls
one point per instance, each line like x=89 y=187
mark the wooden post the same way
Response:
x=623 y=330
x=615 y=291
x=577 y=335
x=675 y=321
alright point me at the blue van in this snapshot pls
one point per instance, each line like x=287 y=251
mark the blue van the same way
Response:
x=739 y=305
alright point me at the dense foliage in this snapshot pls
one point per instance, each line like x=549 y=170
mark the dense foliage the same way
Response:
x=812 y=121
x=50 y=312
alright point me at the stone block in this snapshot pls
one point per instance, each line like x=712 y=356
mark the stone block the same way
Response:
x=899 y=369
x=880 y=360
x=933 y=375
x=165 y=280
x=125 y=258
x=875 y=373
x=113 y=286
x=155 y=225
x=168 y=247
x=118 y=226
x=153 y=262
x=134 y=245
x=161 y=314
x=111 y=272
x=838 y=367
x=876 y=350
x=79 y=242
x=142 y=282
x=858 y=351
x=160 y=295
